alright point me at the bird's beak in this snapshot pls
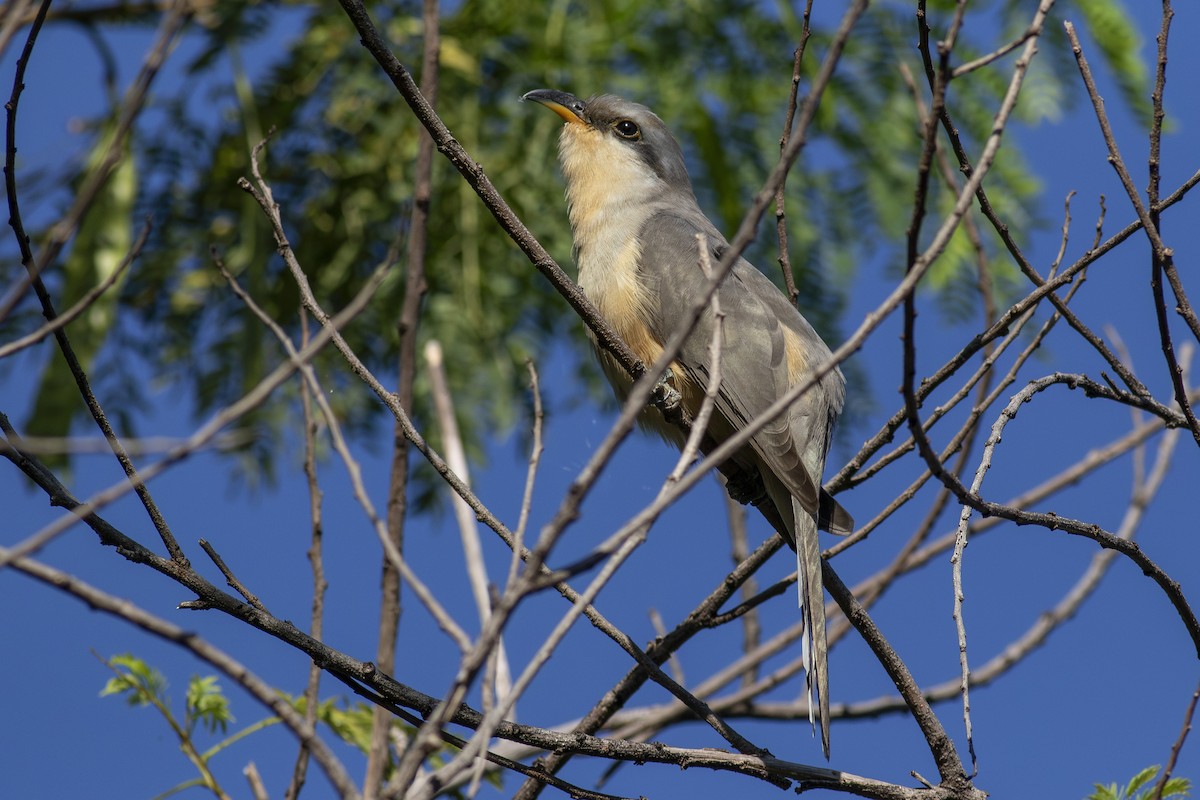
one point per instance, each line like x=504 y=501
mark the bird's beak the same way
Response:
x=567 y=106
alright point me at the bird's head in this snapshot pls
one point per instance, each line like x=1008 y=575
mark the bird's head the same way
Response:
x=612 y=143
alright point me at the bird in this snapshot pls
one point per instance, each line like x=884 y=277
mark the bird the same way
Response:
x=634 y=222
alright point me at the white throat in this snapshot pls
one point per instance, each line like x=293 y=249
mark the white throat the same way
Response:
x=610 y=194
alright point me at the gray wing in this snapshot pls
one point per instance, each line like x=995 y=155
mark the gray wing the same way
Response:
x=768 y=348
x=760 y=327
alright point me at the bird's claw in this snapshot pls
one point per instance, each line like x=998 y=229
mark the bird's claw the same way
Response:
x=665 y=396
x=746 y=487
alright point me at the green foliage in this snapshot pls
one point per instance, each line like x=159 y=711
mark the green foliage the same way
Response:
x=349 y=722
x=142 y=685
x=139 y=683
x=1141 y=787
x=207 y=705
x=1121 y=45
x=341 y=166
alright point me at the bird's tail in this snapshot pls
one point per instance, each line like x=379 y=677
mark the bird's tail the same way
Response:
x=812 y=609
x=832 y=517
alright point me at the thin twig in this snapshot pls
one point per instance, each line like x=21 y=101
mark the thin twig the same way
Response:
x=230 y=578
x=673 y=663
x=14 y=16
x=137 y=446
x=715 y=376
x=83 y=303
x=1050 y=620
x=939 y=79
x=257 y=789
x=1162 y=258
x=740 y=551
x=1000 y=52
x=259 y=689
x=785 y=261
x=535 y=457
x=353 y=470
x=65 y=228
x=316 y=562
x=199 y=438
x=849 y=475
x=1161 y=784
x=456 y=457
x=1072 y=526
x=408 y=322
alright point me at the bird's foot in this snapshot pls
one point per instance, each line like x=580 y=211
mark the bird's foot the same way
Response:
x=745 y=487
x=664 y=396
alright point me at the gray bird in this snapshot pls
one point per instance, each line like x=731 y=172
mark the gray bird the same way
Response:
x=634 y=220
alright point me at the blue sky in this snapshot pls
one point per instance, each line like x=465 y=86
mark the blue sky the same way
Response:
x=1103 y=698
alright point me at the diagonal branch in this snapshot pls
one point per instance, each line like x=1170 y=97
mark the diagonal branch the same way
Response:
x=1052 y=521
x=259 y=689
x=134 y=100
x=1162 y=257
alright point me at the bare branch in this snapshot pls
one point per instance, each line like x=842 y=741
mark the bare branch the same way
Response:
x=1161 y=784
x=255 y=780
x=317 y=562
x=472 y=551
x=1162 y=256
x=237 y=672
x=200 y=438
x=82 y=304
x=230 y=578
x=535 y=456
x=845 y=476
x=785 y=261
x=1048 y=621
x=1072 y=526
x=410 y=316
x=85 y=196
x=354 y=471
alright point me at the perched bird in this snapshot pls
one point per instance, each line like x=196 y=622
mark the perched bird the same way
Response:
x=634 y=220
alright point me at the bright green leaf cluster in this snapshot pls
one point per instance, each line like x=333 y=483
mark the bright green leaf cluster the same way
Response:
x=207 y=705
x=139 y=683
x=1141 y=787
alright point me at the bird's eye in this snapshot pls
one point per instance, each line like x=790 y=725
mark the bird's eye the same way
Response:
x=627 y=129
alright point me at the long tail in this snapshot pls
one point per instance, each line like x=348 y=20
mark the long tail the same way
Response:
x=812 y=607
x=832 y=517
